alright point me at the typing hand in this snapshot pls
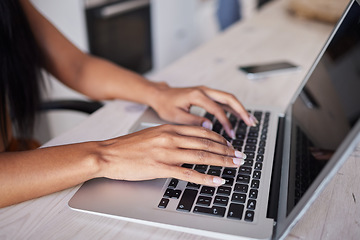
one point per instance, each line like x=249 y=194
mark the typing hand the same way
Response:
x=173 y=104
x=159 y=152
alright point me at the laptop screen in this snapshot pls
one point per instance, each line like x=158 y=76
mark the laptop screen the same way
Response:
x=327 y=108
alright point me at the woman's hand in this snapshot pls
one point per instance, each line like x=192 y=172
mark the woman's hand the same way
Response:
x=159 y=152
x=173 y=104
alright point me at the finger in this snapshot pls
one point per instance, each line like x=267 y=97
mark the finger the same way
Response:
x=233 y=102
x=203 y=157
x=199 y=132
x=205 y=147
x=184 y=117
x=212 y=107
x=193 y=176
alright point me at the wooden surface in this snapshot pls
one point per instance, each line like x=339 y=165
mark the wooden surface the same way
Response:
x=271 y=35
x=321 y=10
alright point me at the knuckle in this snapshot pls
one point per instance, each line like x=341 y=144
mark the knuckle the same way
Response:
x=201 y=155
x=207 y=144
x=224 y=160
x=227 y=150
x=164 y=138
x=188 y=173
x=205 y=132
x=196 y=93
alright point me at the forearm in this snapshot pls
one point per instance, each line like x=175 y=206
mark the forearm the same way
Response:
x=103 y=80
x=31 y=174
x=97 y=78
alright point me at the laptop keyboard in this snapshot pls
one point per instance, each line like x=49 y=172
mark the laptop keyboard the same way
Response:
x=237 y=198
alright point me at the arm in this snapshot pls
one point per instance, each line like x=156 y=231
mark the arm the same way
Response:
x=101 y=79
x=92 y=76
x=30 y=174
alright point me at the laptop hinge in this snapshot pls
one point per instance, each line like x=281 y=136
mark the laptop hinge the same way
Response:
x=276 y=172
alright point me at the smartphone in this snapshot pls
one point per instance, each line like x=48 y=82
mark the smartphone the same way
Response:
x=264 y=70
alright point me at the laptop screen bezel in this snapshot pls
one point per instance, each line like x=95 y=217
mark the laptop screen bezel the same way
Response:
x=286 y=221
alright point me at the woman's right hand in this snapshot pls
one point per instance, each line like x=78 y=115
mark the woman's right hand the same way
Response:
x=160 y=151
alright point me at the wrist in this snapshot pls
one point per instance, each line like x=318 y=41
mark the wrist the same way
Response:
x=155 y=92
x=94 y=159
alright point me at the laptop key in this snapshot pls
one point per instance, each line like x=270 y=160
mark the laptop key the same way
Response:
x=187 y=200
x=214 y=172
x=186 y=165
x=238 y=198
x=205 y=190
x=257 y=175
x=248 y=163
x=173 y=183
x=193 y=185
x=258 y=166
x=235 y=211
x=168 y=193
x=217 y=127
x=201 y=168
x=176 y=193
x=245 y=170
x=250 y=148
x=260 y=158
x=204 y=201
x=229 y=182
x=251 y=204
x=221 y=200
x=163 y=203
x=215 y=167
x=251 y=141
x=225 y=191
x=214 y=211
x=253 y=194
x=243 y=178
x=229 y=172
x=249 y=154
x=249 y=216
x=255 y=183
x=242 y=188
x=209 y=116
x=237 y=142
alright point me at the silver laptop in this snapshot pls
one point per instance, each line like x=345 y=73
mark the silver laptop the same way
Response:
x=291 y=157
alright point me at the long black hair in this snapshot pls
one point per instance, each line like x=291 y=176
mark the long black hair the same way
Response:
x=20 y=74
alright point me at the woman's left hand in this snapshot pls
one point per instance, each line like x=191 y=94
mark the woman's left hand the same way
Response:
x=173 y=104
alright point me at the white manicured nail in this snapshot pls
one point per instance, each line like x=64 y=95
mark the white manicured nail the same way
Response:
x=253 y=120
x=232 y=134
x=239 y=154
x=238 y=161
x=218 y=181
x=207 y=124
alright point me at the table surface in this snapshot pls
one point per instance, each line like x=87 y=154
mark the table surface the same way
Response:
x=272 y=34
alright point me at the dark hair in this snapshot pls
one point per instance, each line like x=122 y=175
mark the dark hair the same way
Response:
x=20 y=76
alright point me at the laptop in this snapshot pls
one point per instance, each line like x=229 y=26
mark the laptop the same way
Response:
x=291 y=157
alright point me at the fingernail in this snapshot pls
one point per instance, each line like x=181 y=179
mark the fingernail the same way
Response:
x=239 y=154
x=238 y=161
x=229 y=144
x=253 y=120
x=218 y=181
x=232 y=134
x=207 y=124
